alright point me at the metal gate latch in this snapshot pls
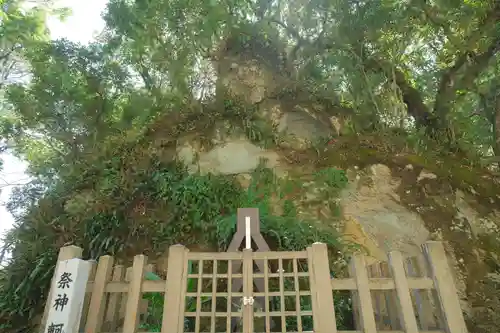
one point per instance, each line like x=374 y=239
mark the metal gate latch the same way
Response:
x=247 y=300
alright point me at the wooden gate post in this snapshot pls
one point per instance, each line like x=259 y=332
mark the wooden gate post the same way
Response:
x=247 y=292
x=445 y=287
x=364 y=301
x=175 y=290
x=97 y=299
x=319 y=270
x=131 y=321
x=405 y=306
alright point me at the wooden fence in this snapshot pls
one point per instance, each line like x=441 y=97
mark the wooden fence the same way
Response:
x=299 y=294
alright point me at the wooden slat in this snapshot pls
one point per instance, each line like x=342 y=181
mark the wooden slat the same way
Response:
x=239 y=275
x=382 y=283
x=320 y=275
x=255 y=314
x=240 y=294
x=337 y=284
x=297 y=294
x=124 y=290
x=247 y=290
x=134 y=295
x=266 y=298
x=198 y=297
x=214 y=297
x=229 y=294
x=392 y=299
x=424 y=305
x=97 y=300
x=405 y=306
x=236 y=286
x=215 y=255
x=144 y=305
x=354 y=296
x=175 y=288
x=445 y=287
x=239 y=255
x=280 y=255
x=114 y=300
x=282 y=295
x=367 y=319
x=88 y=291
x=377 y=296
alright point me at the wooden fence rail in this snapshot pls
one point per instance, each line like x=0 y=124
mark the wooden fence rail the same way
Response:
x=404 y=295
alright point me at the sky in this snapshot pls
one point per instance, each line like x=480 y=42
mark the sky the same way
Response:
x=82 y=26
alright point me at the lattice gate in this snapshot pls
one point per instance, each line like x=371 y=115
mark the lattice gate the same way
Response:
x=263 y=291
x=204 y=300
x=233 y=292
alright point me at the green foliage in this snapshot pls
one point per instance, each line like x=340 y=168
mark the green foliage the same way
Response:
x=287 y=230
x=179 y=207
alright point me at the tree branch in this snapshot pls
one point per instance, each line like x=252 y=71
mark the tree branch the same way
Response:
x=17 y=183
x=477 y=65
x=496 y=128
x=411 y=96
x=471 y=64
x=430 y=13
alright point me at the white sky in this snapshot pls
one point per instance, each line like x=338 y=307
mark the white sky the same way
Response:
x=81 y=27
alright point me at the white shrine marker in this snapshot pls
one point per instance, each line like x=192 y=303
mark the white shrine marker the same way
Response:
x=67 y=297
x=248 y=237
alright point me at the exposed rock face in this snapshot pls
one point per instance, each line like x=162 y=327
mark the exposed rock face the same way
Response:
x=354 y=232
x=375 y=215
x=384 y=211
x=477 y=224
x=256 y=84
x=246 y=80
x=384 y=207
x=372 y=202
x=301 y=127
x=229 y=158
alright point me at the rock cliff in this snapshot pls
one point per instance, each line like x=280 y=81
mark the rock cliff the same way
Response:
x=395 y=199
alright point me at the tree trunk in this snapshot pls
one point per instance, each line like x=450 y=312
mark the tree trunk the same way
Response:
x=424 y=118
